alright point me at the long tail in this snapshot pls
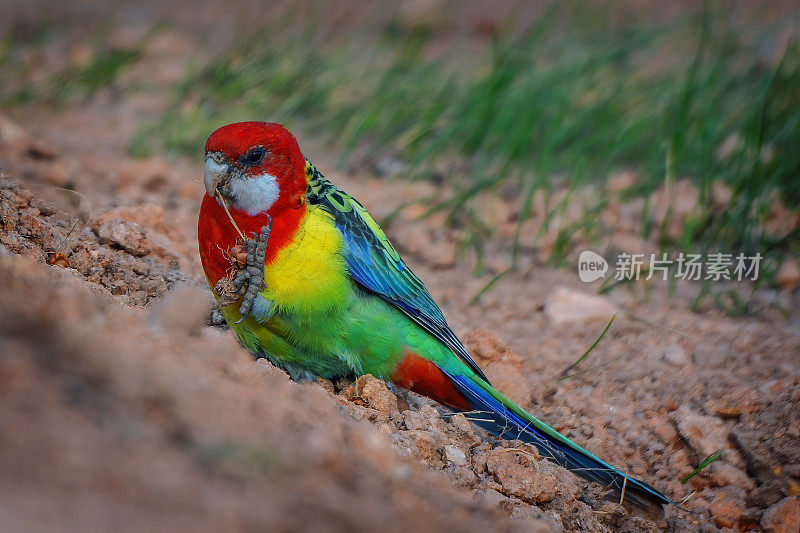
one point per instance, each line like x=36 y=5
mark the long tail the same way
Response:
x=502 y=417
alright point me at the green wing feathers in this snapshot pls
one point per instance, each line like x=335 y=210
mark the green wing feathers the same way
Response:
x=376 y=266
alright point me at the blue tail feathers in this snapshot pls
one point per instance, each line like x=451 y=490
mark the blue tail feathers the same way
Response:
x=512 y=422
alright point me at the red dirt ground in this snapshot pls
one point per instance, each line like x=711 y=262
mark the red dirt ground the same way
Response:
x=122 y=406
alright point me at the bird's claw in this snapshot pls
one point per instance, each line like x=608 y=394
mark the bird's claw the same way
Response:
x=252 y=277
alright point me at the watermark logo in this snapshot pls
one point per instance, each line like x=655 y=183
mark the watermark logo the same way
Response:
x=591 y=266
x=691 y=267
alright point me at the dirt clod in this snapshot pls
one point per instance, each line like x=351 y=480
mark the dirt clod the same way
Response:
x=376 y=394
x=783 y=517
x=517 y=471
x=139 y=271
x=704 y=434
x=726 y=510
x=769 y=440
x=454 y=455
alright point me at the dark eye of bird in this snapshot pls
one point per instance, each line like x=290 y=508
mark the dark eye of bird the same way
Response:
x=254 y=156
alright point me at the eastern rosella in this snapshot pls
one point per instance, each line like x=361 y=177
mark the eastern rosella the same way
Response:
x=320 y=291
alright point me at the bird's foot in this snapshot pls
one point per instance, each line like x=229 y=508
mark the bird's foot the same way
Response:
x=251 y=277
x=246 y=277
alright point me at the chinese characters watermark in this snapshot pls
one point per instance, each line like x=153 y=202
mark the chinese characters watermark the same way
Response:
x=715 y=266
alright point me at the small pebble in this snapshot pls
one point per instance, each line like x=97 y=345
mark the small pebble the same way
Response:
x=454 y=455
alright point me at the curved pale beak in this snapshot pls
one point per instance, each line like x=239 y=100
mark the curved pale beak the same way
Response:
x=215 y=173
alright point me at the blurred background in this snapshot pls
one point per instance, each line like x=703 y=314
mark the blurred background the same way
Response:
x=630 y=126
x=494 y=141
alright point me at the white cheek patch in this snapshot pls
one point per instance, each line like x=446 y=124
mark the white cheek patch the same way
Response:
x=254 y=194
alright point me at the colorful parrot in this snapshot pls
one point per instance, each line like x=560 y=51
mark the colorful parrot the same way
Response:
x=307 y=279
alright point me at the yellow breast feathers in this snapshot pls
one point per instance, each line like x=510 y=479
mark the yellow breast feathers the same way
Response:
x=309 y=274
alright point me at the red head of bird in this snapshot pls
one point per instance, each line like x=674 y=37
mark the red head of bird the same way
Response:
x=258 y=170
x=256 y=166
